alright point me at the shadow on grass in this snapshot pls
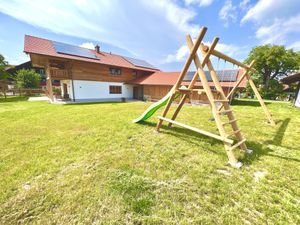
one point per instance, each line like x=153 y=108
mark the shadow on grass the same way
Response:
x=13 y=99
x=277 y=140
x=185 y=134
x=260 y=150
x=247 y=103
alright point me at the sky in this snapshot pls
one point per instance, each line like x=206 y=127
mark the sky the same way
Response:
x=153 y=30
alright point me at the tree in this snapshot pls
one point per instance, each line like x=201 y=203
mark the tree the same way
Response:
x=27 y=78
x=3 y=75
x=271 y=62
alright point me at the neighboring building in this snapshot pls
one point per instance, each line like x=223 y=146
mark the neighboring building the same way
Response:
x=295 y=78
x=39 y=70
x=158 y=84
x=94 y=75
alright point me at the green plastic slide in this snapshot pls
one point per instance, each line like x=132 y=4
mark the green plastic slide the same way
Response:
x=154 y=107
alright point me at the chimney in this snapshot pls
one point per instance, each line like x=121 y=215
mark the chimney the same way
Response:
x=97 y=48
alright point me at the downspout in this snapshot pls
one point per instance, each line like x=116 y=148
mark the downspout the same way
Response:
x=73 y=90
x=72 y=82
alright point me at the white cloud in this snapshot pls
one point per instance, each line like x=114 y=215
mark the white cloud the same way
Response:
x=268 y=10
x=279 y=30
x=180 y=55
x=199 y=2
x=295 y=46
x=16 y=60
x=229 y=49
x=147 y=29
x=275 y=20
x=228 y=13
x=244 y=5
x=89 y=45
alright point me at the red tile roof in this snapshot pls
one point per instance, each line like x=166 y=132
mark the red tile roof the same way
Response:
x=170 y=78
x=35 y=45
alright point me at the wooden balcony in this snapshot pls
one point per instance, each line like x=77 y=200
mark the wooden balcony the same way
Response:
x=60 y=74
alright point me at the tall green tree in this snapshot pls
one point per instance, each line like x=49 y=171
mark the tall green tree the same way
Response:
x=273 y=61
x=27 y=78
x=3 y=75
x=3 y=64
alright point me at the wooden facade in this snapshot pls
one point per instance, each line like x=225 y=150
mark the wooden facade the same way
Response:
x=66 y=69
x=62 y=69
x=156 y=92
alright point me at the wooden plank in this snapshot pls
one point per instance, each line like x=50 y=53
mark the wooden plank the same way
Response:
x=206 y=133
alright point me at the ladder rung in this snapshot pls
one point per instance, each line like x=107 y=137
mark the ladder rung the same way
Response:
x=225 y=111
x=229 y=122
x=234 y=132
x=237 y=144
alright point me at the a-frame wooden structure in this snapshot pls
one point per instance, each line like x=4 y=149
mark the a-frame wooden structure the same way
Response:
x=223 y=99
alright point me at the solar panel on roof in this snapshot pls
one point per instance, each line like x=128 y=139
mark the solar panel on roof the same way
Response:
x=73 y=50
x=223 y=75
x=140 y=63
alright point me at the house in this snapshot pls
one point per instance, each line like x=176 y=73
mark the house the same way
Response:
x=84 y=74
x=295 y=78
x=95 y=75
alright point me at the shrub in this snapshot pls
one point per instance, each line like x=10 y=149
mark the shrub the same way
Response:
x=27 y=78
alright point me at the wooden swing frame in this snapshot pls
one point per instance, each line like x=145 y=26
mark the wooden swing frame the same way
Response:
x=245 y=75
x=207 y=51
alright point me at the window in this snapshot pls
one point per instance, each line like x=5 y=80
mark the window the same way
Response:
x=134 y=74
x=115 y=71
x=115 y=89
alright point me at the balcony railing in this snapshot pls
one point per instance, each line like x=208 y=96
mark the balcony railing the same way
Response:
x=60 y=74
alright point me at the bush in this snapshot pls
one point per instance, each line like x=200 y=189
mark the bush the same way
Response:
x=27 y=78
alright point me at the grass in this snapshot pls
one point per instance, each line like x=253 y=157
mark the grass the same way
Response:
x=67 y=164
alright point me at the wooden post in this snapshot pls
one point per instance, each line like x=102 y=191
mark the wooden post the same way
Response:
x=182 y=74
x=49 y=82
x=261 y=101
x=229 y=152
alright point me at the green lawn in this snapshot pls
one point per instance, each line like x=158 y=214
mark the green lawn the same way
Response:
x=87 y=163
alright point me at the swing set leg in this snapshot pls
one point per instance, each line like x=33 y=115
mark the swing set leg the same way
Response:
x=165 y=112
x=181 y=103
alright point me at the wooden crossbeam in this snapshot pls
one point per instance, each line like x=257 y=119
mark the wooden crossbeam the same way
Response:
x=227 y=58
x=206 y=133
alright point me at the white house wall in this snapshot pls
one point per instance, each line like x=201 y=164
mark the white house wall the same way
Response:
x=297 y=102
x=99 y=91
